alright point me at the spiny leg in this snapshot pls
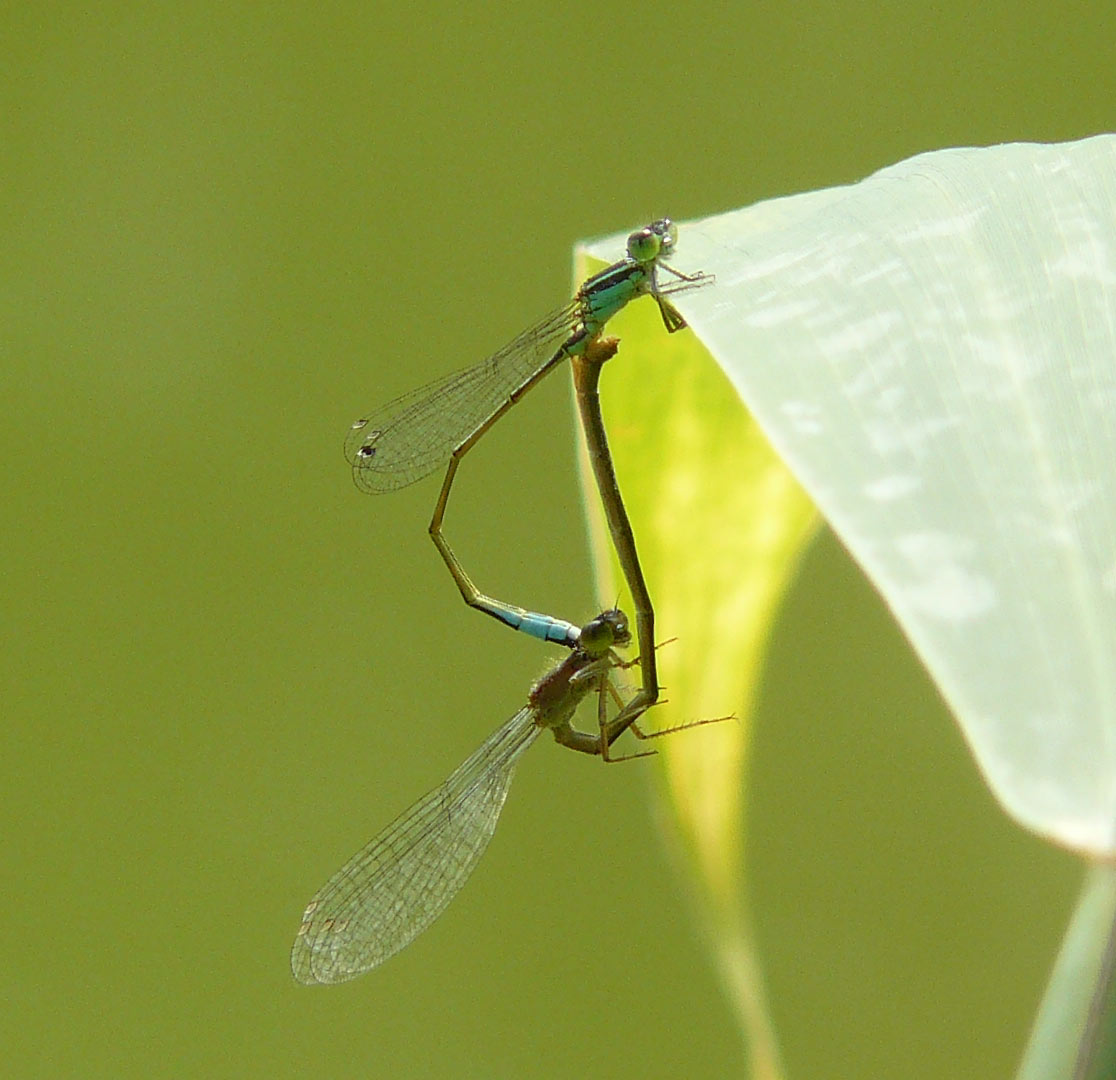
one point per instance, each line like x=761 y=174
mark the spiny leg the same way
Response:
x=598 y=743
x=637 y=731
x=603 y=724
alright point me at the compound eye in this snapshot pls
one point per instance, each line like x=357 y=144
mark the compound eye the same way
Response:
x=669 y=233
x=621 y=635
x=644 y=245
x=596 y=636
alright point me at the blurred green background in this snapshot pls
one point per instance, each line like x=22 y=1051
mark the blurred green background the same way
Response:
x=228 y=230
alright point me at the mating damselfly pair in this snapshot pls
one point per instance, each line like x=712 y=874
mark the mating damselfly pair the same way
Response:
x=403 y=879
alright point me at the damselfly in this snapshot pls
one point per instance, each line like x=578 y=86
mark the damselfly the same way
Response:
x=411 y=436
x=403 y=879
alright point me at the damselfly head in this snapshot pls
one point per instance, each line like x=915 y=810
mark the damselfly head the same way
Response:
x=608 y=630
x=654 y=241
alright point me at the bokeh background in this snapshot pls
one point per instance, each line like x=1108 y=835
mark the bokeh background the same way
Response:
x=230 y=229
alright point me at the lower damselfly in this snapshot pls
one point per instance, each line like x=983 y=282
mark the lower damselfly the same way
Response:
x=404 y=878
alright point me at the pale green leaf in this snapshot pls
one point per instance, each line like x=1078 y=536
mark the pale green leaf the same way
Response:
x=933 y=353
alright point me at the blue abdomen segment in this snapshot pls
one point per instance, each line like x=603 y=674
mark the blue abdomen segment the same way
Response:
x=543 y=627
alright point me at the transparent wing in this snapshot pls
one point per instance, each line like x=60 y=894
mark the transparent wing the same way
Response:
x=403 y=879
x=409 y=437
